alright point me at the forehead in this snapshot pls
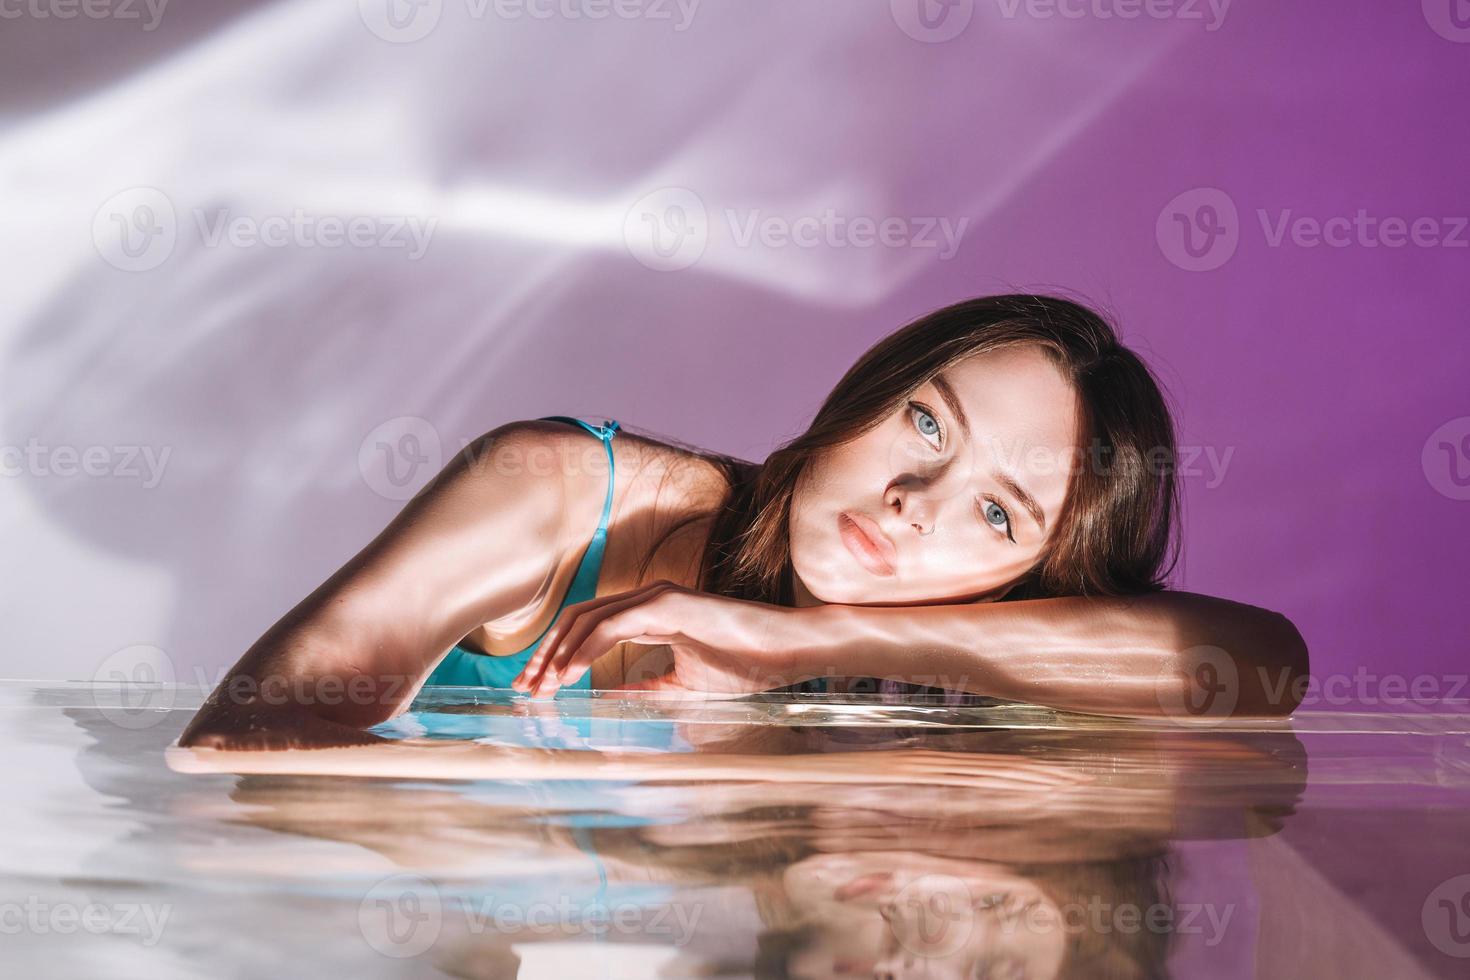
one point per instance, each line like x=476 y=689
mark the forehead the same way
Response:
x=1023 y=415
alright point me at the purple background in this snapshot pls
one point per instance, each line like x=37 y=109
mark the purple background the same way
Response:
x=1062 y=141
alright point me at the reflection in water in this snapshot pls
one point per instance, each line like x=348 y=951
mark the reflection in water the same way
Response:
x=1052 y=861
x=798 y=836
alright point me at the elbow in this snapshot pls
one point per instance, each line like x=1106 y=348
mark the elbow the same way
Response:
x=1283 y=671
x=1298 y=662
x=1249 y=666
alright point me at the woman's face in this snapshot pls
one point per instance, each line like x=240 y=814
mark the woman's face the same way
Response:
x=958 y=489
x=900 y=914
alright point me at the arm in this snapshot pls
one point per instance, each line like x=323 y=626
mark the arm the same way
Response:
x=1164 y=655
x=429 y=759
x=479 y=541
x=1168 y=655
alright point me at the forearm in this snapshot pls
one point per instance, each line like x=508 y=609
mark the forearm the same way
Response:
x=1158 y=655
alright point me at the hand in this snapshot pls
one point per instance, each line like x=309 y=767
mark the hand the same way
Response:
x=719 y=645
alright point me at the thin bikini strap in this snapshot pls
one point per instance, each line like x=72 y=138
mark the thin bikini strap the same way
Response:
x=605 y=433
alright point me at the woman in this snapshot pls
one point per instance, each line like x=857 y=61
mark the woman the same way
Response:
x=1005 y=447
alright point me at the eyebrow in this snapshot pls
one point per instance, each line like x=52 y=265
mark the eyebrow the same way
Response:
x=947 y=392
x=1019 y=492
x=1006 y=480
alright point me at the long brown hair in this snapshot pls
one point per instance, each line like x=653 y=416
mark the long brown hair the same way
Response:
x=1117 y=533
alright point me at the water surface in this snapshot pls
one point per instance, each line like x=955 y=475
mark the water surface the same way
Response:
x=782 y=836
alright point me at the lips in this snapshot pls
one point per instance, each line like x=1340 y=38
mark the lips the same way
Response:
x=867 y=542
x=862 y=886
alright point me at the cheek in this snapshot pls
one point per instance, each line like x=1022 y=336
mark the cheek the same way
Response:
x=813 y=500
x=812 y=553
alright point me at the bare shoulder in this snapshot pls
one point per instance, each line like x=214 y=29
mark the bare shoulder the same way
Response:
x=656 y=488
x=660 y=493
x=665 y=498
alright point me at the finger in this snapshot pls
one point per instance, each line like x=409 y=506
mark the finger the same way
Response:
x=618 y=628
x=551 y=676
x=526 y=679
x=589 y=624
x=531 y=673
x=535 y=669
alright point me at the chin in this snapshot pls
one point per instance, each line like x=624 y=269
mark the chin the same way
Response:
x=847 y=592
x=828 y=587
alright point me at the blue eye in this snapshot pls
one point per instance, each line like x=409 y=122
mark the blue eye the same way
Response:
x=925 y=421
x=996 y=517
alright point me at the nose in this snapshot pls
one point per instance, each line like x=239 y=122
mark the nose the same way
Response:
x=916 y=501
x=894 y=967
